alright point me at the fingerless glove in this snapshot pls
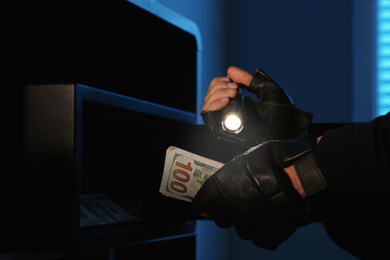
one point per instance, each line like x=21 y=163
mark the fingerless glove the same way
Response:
x=272 y=117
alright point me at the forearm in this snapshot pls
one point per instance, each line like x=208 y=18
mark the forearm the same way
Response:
x=354 y=209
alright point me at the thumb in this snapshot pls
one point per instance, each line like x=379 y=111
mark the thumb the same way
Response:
x=239 y=76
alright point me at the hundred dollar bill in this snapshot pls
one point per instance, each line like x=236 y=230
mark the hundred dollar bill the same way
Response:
x=185 y=173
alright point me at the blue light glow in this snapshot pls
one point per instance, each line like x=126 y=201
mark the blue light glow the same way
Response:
x=383 y=58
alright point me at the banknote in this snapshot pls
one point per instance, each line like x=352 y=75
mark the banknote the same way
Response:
x=185 y=173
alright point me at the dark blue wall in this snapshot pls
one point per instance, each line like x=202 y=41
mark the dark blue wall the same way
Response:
x=306 y=46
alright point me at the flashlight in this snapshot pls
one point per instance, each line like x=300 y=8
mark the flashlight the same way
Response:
x=232 y=120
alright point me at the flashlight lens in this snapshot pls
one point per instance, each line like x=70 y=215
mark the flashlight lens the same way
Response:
x=232 y=123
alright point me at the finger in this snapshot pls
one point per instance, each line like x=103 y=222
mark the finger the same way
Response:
x=222 y=83
x=219 y=91
x=222 y=219
x=218 y=99
x=229 y=88
x=216 y=104
x=244 y=232
x=265 y=242
x=214 y=82
x=239 y=76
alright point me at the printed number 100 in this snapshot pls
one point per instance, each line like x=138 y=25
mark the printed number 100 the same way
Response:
x=182 y=177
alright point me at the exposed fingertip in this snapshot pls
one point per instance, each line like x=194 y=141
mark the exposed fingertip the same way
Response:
x=223 y=100
x=238 y=75
x=230 y=68
x=230 y=91
x=218 y=104
x=232 y=85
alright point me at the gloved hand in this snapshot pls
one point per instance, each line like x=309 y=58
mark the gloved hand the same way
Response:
x=272 y=117
x=253 y=193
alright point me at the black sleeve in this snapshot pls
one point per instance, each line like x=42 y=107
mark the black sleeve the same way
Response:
x=355 y=161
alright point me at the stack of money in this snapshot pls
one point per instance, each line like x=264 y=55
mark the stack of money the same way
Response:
x=185 y=173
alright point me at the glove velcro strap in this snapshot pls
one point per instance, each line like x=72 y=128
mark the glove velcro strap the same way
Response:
x=309 y=174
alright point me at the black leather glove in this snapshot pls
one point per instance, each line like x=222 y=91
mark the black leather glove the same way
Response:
x=253 y=193
x=273 y=117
